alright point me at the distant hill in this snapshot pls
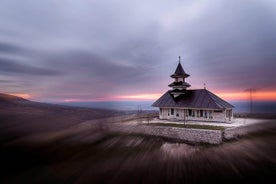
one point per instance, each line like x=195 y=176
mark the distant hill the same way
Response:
x=19 y=117
x=11 y=98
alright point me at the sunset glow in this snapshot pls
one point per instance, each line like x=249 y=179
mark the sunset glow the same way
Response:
x=22 y=95
x=229 y=96
x=260 y=96
x=140 y=97
x=137 y=97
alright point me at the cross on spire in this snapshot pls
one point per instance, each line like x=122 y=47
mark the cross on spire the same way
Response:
x=179 y=58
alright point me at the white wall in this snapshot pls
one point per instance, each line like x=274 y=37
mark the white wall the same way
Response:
x=183 y=114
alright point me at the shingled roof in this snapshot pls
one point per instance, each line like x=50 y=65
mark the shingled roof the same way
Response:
x=200 y=98
x=179 y=72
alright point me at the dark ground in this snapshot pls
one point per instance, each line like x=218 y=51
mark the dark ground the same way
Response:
x=121 y=158
x=20 y=117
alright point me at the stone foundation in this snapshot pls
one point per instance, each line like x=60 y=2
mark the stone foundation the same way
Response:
x=188 y=135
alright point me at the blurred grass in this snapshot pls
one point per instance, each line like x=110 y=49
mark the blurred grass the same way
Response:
x=59 y=153
x=124 y=158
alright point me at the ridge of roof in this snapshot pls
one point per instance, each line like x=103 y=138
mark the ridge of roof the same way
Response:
x=196 y=98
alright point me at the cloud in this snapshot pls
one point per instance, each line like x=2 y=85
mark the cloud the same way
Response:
x=9 y=48
x=5 y=81
x=9 y=66
x=93 y=49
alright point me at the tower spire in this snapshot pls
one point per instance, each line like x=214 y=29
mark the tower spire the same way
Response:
x=179 y=86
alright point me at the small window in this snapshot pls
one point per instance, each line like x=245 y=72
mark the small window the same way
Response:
x=210 y=115
x=177 y=115
x=172 y=111
x=190 y=112
x=201 y=113
x=228 y=113
x=193 y=113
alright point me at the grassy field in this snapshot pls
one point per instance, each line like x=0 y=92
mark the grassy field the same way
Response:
x=140 y=159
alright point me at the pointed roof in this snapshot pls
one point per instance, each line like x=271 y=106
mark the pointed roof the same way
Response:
x=200 y=98
x=179 y=72
x=180 y=84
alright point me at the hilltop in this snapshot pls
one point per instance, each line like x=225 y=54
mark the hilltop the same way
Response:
x=5 y=98
x=20 y=117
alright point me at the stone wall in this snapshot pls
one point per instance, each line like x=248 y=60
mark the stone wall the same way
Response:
x=189 y=135
x=193 y=135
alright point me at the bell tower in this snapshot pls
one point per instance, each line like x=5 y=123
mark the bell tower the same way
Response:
x=179 y=85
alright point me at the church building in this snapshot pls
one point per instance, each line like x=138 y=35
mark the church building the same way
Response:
x=183 y=104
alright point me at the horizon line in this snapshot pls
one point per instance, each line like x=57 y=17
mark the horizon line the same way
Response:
x=227 y=96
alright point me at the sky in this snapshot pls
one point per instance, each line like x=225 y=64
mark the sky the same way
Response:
x=90 y=50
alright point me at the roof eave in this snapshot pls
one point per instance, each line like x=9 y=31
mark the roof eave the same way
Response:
x=178 y=76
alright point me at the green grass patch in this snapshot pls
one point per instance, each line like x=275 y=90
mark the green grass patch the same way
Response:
x=207 y=127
